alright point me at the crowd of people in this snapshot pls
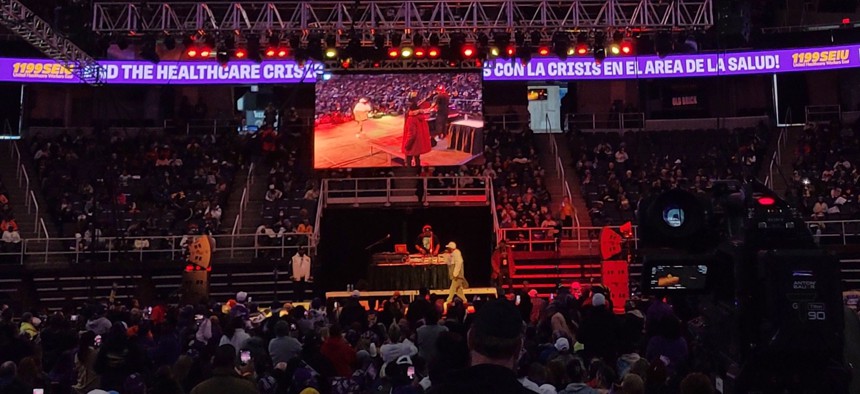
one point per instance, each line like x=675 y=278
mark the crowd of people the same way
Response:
x=825 y=181
x=10 y=234
x=618 y=171
x=569 y=343
x=389 y=94
x=123 y=185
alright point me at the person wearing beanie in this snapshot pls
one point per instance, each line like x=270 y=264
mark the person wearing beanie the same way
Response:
x=599 y=330
x=495 y=340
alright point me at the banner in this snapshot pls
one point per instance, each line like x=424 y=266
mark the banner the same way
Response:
x=673 y=66
x=538 y=69
x=165 y=73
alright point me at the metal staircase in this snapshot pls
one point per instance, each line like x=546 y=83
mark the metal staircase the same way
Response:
x=33 y=29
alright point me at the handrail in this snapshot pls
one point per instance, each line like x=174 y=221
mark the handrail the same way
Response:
x=316 y=238
x=47 y=241
x=776 y=159
x=559 y=170
x=159 y=247
x=36 y=205
x=402 y=190
x=607 y=121
x=496 y=229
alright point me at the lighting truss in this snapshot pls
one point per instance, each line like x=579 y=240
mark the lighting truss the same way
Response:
x=411 y=65
x=411 y=17
x=23 y=22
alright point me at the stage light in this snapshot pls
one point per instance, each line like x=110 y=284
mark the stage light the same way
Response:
x=191 y=52
x=282 y=52
x=543 y=51
x=615 y=49
x=222 y=56
x=271 y=52
x=571 y=51
x=331 y=52
x=511 y=50
x=846 y=21
x=205 y=52
x=626 y=47
x=581 y=49
x=241 y=53
x=420 y=53
x=406 y=52
x=393 y=53
x=561 y=44
x=599 y=54
x=494 y=51
x=468 y=50
x=433 y=53
x=345 y=64
x=766 y=201
x=599 y=47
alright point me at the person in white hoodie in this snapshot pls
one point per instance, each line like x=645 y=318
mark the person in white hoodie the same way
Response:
x=235 y=335
x=361 y=112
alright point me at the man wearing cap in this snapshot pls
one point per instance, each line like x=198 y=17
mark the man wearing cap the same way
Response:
x=361 y=112
x=457 y=274
x=427 y=243
x=495 y=340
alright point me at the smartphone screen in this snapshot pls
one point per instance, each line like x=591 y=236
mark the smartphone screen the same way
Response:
x=410 y=372
x=98 y=341
x=73 y=318
x=38 y=391
x=518 y=299
x=245 y=357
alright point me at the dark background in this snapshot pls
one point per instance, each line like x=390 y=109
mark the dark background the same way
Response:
x=347 y=231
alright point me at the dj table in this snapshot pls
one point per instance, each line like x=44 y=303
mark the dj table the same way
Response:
x=393 y=271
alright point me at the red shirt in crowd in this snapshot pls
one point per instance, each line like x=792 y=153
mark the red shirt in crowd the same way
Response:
x=340 y=354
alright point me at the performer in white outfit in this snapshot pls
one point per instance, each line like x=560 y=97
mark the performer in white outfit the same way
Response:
x=361 y=112
x=301 y=266
x=458 y=276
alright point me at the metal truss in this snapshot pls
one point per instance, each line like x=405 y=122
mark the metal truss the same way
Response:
x=23 y=22
x=410 y=65
x=442 y=17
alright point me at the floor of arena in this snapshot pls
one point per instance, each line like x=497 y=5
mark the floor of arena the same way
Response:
x=336 y=146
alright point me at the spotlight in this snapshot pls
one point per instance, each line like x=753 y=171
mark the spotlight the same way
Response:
x=378 y=41
x=205 y=52
x=271 y=52
x=252 y=47
x=615 y=49
x=345 y=64
x=433 y=53
x=331 y=52
x=393 y=53
x=561 y=44
x=406 y=52
x=468 y=51
x=599 y=54
x=396 y=39
x=544 y=51
x=627 y=47
x=510 y=51
x=420 y=53
x=282 y=52
x=223 y=57
x=581 y=48
x=191 y=52
x=494 y=52
x=241 y=53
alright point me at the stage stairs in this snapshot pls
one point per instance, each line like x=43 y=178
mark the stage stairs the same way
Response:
x=546 y=270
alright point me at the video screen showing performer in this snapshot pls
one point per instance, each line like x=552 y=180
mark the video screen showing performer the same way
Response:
x=398 y=120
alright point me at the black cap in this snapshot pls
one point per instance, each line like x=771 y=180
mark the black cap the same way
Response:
x=498 y=319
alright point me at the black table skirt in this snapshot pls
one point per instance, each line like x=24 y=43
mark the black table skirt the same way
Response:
x=408 y=277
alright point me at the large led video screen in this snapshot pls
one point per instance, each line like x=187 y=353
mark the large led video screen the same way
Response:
x=398 y=120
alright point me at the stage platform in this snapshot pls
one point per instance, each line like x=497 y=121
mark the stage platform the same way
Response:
x=488 y=291
x=336 y=146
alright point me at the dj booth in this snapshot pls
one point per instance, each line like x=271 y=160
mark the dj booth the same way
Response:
x=397 y=271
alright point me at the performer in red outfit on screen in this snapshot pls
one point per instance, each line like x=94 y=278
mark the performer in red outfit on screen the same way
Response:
x=416 y=135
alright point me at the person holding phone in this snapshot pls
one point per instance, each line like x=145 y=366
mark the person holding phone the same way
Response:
x=226 y=377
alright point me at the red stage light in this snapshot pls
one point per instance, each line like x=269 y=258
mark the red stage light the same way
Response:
x=189 y=268
x=345 y=64
x=766 y=201
x=270 y=52
x=511 y=50
x=626 y=48
x=191 y=52
x=282 y=52
x=468 y=51
x=543 y=51
x=393 y=53
x=205 y=52
x=241 y=53
x=846 y=21
x=419 y=52
x=433 y=53
x=581 y=49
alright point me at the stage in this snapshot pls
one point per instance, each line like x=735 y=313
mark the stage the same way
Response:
x=336 y=146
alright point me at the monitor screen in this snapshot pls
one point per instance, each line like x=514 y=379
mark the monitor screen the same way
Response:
x=387 y=120
x=678 y=277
